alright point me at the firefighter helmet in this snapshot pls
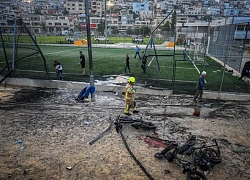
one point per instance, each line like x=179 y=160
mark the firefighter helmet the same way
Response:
x=131 y=80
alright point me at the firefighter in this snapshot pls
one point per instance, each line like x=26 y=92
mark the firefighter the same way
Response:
x=129 y=96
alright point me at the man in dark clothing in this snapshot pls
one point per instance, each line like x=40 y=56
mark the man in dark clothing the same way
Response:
x=58 y=69
x=185 y=54
x=82 y=62
x=246 y=70
x=200 y=87
x=127 y=64
x=143 y=62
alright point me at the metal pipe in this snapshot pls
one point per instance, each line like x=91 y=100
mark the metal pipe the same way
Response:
x=91 y=73
x=224 y=67
x=4 y=50
x=160 y=23
x=110 y=19
x=105 y=15
x=14 y=47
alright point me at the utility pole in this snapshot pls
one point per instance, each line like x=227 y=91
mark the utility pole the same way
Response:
x=105 y=15
x=110 y=19
x=91 y=73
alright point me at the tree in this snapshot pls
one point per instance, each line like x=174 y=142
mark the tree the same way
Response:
x=100 y=28
x=173 y=20
x=129 y=31
x=37 y=11
x=115 y=30
x=134 y=14
x=166 y=26
x=145 y=30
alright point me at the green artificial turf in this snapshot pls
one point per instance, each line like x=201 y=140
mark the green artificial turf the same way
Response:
x=108 y=62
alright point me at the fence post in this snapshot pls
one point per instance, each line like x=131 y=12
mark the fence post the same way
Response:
x=244 y=44
x=14 y=46
x=223 y=73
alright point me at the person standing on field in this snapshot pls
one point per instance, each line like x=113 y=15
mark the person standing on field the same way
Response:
x=185 y=54
x=137 y=51
x=143 y=62
x=58 y=69
x=127 y=64
x=82 y=62
x=200 y=87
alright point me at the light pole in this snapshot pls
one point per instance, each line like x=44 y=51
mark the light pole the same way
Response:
x=105 y=14
x=110 y=4
x=91 y=74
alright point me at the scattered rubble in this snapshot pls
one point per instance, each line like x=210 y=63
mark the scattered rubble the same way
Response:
x=49 y=121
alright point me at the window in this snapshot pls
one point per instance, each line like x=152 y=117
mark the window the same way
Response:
x=50 y=23
x=68 y=8
x=65 y=24
x=57 y=24
x=80 y=8
x=73 y=4
x=240 y=28
x=80 y=4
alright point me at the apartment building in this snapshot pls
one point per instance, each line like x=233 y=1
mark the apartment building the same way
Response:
x=112 y=22
x=40 y=2
x=231 y=11
x=57 y=24
x=146 y=15
x=213 y=11
x=35 y=22
x=97 y=7
x=75 y=6
x=193 y=11
x=140 y=6
x=139 y=24
x=247 y=4
x=184 y=3
x=126 y=21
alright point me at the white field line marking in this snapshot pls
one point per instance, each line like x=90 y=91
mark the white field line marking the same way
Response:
x=60 y=51
x=176 y=67
x=194 y=65
x=151 y=61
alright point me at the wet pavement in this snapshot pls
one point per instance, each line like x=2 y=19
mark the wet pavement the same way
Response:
x=56 y=139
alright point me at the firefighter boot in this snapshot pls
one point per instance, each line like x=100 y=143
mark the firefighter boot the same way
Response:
x=126 y=110
x=134 y=110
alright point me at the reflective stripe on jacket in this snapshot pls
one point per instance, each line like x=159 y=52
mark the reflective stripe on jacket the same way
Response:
x=129 y=91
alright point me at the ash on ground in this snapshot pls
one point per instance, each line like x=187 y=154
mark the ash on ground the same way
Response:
x=56 y=136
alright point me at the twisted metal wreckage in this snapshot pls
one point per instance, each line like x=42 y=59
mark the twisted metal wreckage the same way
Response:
x=203 y=157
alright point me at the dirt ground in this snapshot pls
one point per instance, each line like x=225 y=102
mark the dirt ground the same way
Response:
x=50 y=123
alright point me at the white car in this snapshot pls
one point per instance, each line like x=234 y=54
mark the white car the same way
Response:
x=100 y=38
x=138 y=39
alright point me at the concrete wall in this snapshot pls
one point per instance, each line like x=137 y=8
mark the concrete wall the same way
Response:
x=117 y=88
x=80 y=85
x=226 y=96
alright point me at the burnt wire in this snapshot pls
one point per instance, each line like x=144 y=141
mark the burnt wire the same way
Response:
x=133 y=156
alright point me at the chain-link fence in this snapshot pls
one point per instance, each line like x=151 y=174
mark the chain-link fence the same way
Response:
x=166 y=67
x=20 y=52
